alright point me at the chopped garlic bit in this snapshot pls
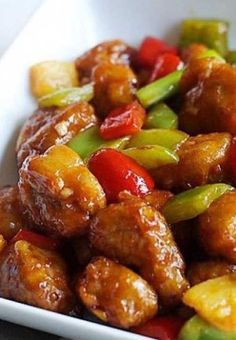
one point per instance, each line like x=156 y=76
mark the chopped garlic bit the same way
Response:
x=66 y=192
x=61 y=128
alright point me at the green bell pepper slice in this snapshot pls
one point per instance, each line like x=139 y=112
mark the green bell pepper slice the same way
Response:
x=193 y=202
x=67 y=96
x=211 y=54
x=231 y=57
x=210 y=32
x=160 y=89
x=161 y=116
x=170 y=139
x=152 y=156
x=198 y=329
x=89 y=140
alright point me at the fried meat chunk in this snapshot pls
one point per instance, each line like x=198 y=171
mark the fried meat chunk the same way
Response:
x=116 y=294
x=35 y=276
x=137 y=234
x=217 y=228
x=114 y=51
x=114 y=85
x=53 y=129
x=203 y=159
x=59 y=192
x=209 y=97
x=11 y=212
x=202 y=271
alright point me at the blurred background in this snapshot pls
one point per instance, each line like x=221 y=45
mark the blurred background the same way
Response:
x=13 y=16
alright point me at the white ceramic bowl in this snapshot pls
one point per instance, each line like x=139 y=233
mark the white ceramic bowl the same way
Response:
x=62 y=29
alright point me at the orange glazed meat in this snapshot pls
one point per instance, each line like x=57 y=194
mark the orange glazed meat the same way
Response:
x=58 y=129
x=156 y=199
x=202 y=271
x=114 y=51
x=39 y=118
x=137 y=234
x=59 y=192
x=203 y=159
x=209 y=97
x=11 y=218
x=35 y=276
x=3 y=243
x=192 y=51
x=114 y=85
x=115 y=294
x=217 y=228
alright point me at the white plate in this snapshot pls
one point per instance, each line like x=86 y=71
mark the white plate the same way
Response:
x=62 y=29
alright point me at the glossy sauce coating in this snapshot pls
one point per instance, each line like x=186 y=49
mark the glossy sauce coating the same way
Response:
x=137 y=234
x=59 y=192
x=156 y=199
x=192 y=51
x=3 y=243
x=58 y=129
x=202 y=271
x=114 y=51
x=40 y=117
x=217 y=229
x=116 y=294
x=35 y=276
x=203 y=160
x=114 y=86
x=209 y=97
x=11 y=212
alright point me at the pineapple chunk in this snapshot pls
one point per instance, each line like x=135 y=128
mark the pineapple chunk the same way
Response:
x=49 y=76
x=215 y=301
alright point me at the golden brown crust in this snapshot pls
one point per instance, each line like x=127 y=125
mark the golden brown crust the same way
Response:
x=3 y=243
x=156 y=199
x=202 y=271
x=114 y=85
x=35 y=276
x=192 y=52
x=39 y=118
x=116 y=294
x=114 y=51
x=217 y=229
x=11 y=212
x=59 y=192
x=203 y=160
x=137 y=234
x=57 y=129
x=209 y=97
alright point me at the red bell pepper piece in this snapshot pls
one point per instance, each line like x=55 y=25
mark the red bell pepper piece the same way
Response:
x=123 y=121
x=232 y=159
x=165 y=63
x=151 y=48
x=161 y=328
x=36 y=239
x=117 y=172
